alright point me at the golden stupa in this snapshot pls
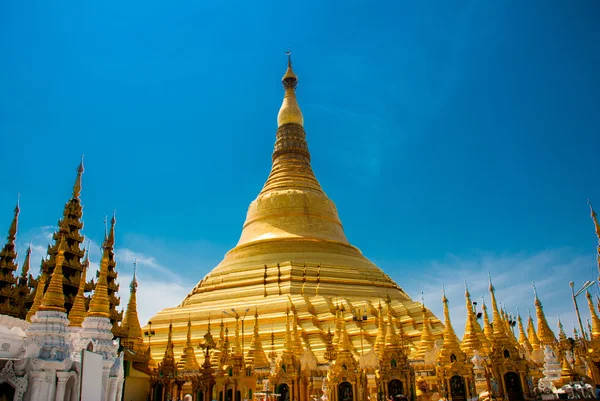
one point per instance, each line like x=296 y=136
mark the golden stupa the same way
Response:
x=292 y=255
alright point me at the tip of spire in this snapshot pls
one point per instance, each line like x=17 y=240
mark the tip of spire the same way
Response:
x=491 y=287
x=80 y=167
x=17 y=209
x=534 y=290
x=289 y=78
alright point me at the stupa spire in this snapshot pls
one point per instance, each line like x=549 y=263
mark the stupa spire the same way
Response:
x=532 y=336
x=487 y=327
x=39 y=295
x=450 y=338
x=69 y=227
x=168 y=366
x=188 y=362
x=544 y=333
x=77 y=185
x=470 y=342
x=256 y=355
x=595 y=331
x=330 y=353
x=380 y=339
x=294 y=205
x=54 y=298
x=12 y=231
x=523 y=340
x=99 y=304
x=290 y=112
x=77 y=312
x=499 y=330
x=427 y=341
x=26 y=265
x=131 y=322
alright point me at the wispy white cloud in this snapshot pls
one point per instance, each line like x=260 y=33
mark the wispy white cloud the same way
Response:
x=143 y=260
x=512 y=275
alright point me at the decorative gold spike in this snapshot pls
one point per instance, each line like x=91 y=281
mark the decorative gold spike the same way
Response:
x=427 y=341
x=532 y=336
x=256 y=355
x=131 y=321
x=290 y=112
x=523 y=340
x=77 y=185
x=470 y=342
x=188 y=362
x=487 y=327
x=544 y=333
x=12 y=231
x=77 y=312
x=54 y=299
x=39 y=295
x=99 y=304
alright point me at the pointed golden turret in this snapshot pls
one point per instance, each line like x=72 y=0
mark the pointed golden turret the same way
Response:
x=131 y=322
x=39 y=295
x=77 y=185
x=54 y=299
x=561 y=331
x=544 y=333
x=499 y=329
x=532 y=336
x=290 y=112
x=450 y=338
x=487 y=327
x=470 y=342
x=77 y=312
x=595 y=326
x=99 y=304
x=523 y=340
x=450 y=351
x=188 y=362
x=26 y=266
x=168 y=367
x=256 y=355
x=427 y=341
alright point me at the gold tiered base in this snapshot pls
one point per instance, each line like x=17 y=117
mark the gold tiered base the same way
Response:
x=342 y=277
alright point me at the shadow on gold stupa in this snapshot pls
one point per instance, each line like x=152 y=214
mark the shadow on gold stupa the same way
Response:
x=292 y=254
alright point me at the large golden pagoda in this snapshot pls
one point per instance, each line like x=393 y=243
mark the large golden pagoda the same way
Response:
x=292 y=252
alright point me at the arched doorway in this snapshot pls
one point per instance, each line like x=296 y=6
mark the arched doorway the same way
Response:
x=514 y=391
x=458 y=391
x=395 y=388
x=284 y=391
x=345 y=392
x=7 y=391
x=229 y=395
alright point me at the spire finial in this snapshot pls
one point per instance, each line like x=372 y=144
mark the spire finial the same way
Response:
x=422 y=299
x=105 y=228
x=77 y=185
x=12 y=231
x=290 y=112
x=134 y=284
x=54 y=298
x=491 y=288
x=99 y=304
x=534 y=291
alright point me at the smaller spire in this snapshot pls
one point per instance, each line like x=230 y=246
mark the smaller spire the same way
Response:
x=330 y=352
x=110 y=235
x=290 y=112
x=77 y=185
x=99 y=304
x=188 y=362
x=12 y=231
x=532 y=336
x=26 y=264
x=595 y=219
x=39 y=295
x=77 y=312
x=54 y=298
x=427 y=341
x=487 y=327
x=523 y=340
x=544 y=333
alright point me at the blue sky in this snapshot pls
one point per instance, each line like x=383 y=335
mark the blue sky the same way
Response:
x=454 y=137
